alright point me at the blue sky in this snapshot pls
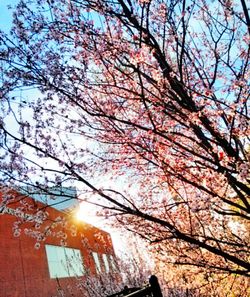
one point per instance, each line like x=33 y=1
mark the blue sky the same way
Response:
x=6 y=14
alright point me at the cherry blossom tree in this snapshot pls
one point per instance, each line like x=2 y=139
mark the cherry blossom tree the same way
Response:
x=153 y=94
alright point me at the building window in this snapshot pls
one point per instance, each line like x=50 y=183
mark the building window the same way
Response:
x=64 y=262
x=106 y=262
x=97 y=262
x=112 y=262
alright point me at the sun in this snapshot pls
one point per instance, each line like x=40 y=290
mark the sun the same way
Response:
x=87 y=213
x=81 y=213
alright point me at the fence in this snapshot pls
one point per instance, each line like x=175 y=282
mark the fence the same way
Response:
x=151 y=290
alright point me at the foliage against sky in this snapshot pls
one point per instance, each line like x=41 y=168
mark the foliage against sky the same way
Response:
x=153 y=92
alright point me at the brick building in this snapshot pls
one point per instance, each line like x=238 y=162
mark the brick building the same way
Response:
x=44 y=250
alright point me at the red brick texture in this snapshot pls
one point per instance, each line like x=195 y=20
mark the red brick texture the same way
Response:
x=24 y=269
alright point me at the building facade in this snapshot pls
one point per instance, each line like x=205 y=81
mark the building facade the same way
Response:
x=45 y=252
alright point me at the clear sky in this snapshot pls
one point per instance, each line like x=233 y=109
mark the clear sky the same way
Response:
x=6 y=14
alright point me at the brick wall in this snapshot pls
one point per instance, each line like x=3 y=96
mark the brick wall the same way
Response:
x=24 y=269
